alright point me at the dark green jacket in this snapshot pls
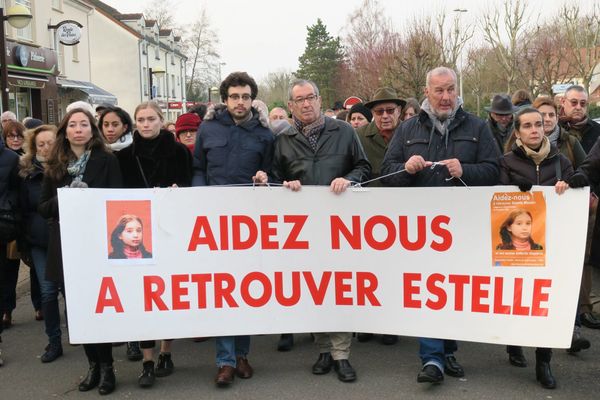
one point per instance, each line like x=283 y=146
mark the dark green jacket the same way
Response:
x=375 y=148
x=339 y=154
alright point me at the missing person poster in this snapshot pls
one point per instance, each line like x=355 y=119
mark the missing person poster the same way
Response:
x=518 y=229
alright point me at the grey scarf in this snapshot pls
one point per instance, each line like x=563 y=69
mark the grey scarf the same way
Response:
x=554 y=135
x=441 y=124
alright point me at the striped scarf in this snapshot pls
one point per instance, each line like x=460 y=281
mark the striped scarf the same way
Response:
x=311 y=131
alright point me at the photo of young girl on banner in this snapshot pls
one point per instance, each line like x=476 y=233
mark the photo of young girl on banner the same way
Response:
x=129 y=231
x=518 y=229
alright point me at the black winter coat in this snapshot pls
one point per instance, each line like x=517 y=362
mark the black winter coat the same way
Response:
x=9 y=180
x=102 y=171
x=516 y=168
x=339 y=155
x=591 y=168
x=163 y=162
x=226 y=153
x=587 y=135
x=35 y=226
x=469 y=140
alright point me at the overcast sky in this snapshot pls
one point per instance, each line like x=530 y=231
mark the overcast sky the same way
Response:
x=263 y=36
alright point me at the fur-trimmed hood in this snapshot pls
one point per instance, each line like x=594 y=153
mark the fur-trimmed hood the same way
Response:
x=216 y=109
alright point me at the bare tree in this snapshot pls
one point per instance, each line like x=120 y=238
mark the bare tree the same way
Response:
x=510 y=23
x=162 y=12
x=369 y=42
x=421 y=52
x=273 y=90
x=545 y=61
x=583 y=36
x=453 y=38
x=203 y=59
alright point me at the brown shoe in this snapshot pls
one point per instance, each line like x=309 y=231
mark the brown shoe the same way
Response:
x=243 y=369
x=225 y=375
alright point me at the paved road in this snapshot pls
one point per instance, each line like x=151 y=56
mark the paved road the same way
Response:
x=385 y=372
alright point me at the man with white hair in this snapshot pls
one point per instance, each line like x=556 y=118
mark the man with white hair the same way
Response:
x=465 y=154
x=6 y=117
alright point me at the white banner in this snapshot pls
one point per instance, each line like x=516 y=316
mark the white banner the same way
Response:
x=186 y=262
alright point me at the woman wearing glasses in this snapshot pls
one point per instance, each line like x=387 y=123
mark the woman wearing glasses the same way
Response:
x=14 y=138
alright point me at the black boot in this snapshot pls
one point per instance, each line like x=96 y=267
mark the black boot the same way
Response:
x=53 y=351
x=516 y=356
x=92 y=379
x=543 y=372
x=107 y=379
x=286 y=342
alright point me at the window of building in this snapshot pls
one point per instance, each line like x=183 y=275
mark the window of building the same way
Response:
x=172 y=85
x=27 y=32
x=144 y=48
x=57 y=5
x=157 y=52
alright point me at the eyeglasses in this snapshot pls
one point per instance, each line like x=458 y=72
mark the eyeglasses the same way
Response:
x=379 y=111
x=311 y=99
x=187 y=133
x=15 y=137
x=574 y=102
x=236 y=97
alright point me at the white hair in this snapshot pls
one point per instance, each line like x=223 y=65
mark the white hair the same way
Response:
x=440 y=71
x=9 y=115
x=81 y=104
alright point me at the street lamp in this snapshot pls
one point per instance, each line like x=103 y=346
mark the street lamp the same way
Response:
x=460 y=71
x=159 y=72
x=19 y=17
x=212 y=90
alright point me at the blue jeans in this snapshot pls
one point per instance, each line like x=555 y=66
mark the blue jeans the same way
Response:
x=49 y=293
x=434 y=351
x=230 y=347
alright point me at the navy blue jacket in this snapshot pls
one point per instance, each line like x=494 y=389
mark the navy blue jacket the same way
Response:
x=469 y=140
x=226 y=153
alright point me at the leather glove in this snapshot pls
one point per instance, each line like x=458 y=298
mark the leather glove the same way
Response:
x=78 y=184
x=524 y=186
x=578 y=180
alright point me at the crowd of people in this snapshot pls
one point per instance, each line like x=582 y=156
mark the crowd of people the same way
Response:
x=387 y=141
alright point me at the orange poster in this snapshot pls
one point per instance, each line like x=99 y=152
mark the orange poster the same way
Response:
x=129 y=229
x=518 y=229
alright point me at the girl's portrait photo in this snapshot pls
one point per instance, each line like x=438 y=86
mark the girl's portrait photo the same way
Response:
x=127 y=239
x=129 y=231
x=515 y=232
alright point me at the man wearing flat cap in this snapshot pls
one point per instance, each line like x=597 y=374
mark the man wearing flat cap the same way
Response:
x=500 y=119
x=375 y=136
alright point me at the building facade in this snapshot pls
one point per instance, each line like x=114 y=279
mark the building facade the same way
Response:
x=110 y=64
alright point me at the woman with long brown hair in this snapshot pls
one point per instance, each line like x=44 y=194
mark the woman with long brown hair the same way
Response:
x=80 y=158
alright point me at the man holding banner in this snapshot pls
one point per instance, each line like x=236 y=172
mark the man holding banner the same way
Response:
x=318 y=150
x=232 y=144
x=443 y=146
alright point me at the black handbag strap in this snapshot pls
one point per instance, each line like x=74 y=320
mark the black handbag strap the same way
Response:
x=142 y=171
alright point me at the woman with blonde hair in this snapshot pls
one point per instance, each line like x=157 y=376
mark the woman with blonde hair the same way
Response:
x=38 y=145
x=154 y=159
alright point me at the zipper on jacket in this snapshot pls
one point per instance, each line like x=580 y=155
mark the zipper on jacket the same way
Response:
x=537 y=172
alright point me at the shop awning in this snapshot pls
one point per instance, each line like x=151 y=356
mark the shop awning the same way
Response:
x=96 y=94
